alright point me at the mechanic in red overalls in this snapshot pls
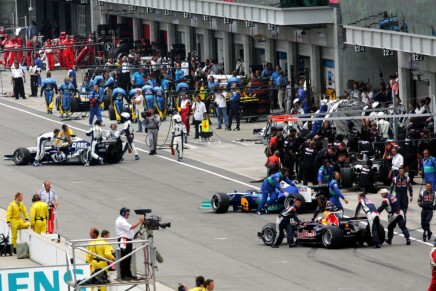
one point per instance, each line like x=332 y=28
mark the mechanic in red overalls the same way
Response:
x=13 y=54
x=185 y=111
x=19 y=46
x=433 y=268
x=69 y=53
x=61 y=52
x=49 y=54
x=6 y=44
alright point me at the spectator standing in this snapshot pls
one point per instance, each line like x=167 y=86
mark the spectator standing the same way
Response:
x=34 y=73
x=18 y=79
x=47 y=195
x=199 y=109
x=235 y=99
x=139 y=104
x=221 y=107
x=17 y=217
x=281 y=82
x=124 y=232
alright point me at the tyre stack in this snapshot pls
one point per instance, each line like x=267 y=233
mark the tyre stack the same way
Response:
x=259 y=87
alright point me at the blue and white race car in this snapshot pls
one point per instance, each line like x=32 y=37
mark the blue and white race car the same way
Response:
x=76 y=152
x=248 y=201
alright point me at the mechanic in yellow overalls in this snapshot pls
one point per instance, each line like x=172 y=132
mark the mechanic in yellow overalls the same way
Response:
x=104 y=251
x=63 y=141
x=38 y=215
x=17 y=217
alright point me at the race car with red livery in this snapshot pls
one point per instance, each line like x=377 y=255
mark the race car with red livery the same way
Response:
x=333 y=230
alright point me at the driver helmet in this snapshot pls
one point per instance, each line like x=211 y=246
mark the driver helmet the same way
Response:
x=376 y=104
x=177 y=118
x=125 y=115
x=324 y=101
x=296 y=100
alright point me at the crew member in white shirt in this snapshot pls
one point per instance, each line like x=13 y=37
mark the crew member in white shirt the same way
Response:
x=125 y=233
x=397 y=162
x=18 y=79
x=199 y=109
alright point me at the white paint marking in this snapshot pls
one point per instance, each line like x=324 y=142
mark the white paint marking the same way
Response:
x=220 y=238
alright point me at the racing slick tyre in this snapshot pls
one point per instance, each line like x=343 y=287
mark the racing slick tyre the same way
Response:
x=332 y=237
x=106 y=101
x=119 y=51
x=269 y=233
x=381 y=235
x=220 y=202
x=22 y=156
x=58 y=103
x=346 y=177
x=290 y=200
x=74 y=106
x=112 y=115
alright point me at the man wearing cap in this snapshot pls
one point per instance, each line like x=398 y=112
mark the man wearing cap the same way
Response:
x=124 y=232
x=38 y=215
x=395 y=215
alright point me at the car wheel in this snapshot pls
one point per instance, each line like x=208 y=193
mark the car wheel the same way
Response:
x=22 y=156
x=381 y=235
x=112 y=115
x=220 y=202
x=346 y=177
x=269 y=233
x=290 y=200
x=332 y=237
x=106 y=101
x=74 y=106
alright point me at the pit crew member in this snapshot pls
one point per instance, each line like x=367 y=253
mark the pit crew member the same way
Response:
x=96 y=134
x=48 y=86
x=128 y=132
x=269 y=187
x=426 y=201
x=395 y=215
x=38 y=215
x=17 y=217
x=335 y=192
x=372 y=215
x=428 y=169
x=152 y=122
x=41 y=141
x=401 y=184
x=179 y=135
x=66 y=91
x=118 y=95
x=284 y=223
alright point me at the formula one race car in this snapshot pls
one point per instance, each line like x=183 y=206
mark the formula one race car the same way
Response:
x=249 y=200
x=109 y=150
x=333 y=230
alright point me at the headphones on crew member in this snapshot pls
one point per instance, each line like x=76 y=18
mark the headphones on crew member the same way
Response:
x=123 y=211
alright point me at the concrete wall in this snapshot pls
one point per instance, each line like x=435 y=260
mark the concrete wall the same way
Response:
x=7 y=12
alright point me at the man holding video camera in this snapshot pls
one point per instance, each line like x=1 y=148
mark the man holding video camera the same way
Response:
x=125 y=233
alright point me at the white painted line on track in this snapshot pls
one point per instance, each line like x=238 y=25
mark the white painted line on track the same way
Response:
x=174 y=161
x=141 y=150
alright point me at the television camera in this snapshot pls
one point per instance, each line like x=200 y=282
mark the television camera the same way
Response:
x=153 y=222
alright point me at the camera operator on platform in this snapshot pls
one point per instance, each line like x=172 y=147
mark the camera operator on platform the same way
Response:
x=125 y=233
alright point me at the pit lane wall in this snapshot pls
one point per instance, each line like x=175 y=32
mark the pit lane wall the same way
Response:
x=52 y=275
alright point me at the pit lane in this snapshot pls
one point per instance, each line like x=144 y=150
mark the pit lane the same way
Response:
x=222 y=247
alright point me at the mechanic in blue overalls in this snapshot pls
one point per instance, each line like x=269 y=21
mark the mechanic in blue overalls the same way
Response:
x=160 y=101
x=137 y=78
x=72 y=76
x=94 y=105
x=426 y=201
x=325 y=175
x=428 y=169
x=67 y=91
x=335 y=192
x=302 y=96
x=118 y=95
x=269 y=187
x=233 y=80
x=147 y=91
x=109 y=84
x=48 y=86
x=165 y=84
x=99 y=80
